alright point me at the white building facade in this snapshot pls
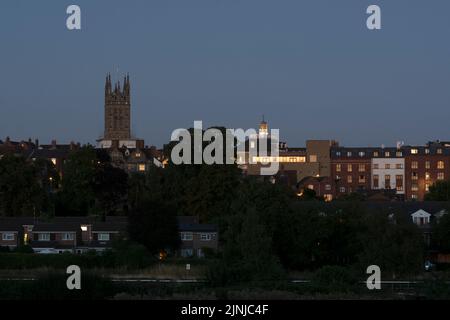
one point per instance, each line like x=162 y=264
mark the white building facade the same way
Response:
x=388 y=173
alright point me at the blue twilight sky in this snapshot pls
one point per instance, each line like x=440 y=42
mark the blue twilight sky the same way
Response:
x=311 y=66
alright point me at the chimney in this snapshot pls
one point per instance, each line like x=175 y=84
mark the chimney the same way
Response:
x=53 y=144
x=140 y=144
x=36 y=143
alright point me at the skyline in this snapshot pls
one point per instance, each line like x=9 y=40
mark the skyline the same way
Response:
x=312 y=68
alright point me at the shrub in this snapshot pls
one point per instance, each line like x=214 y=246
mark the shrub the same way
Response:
x=333 y=279
x=24 y=249
x=52 y=286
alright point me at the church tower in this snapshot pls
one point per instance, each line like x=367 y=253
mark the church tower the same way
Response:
x=117 y=110
x=263 y=128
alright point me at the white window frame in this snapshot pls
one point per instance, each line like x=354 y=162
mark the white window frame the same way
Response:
x=104 y=236
x=187 y=236
x=67 y=236
x=205 y=236
x=7 y=236
x=43 y=236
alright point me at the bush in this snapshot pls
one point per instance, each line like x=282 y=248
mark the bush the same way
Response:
x=24 y=249
x=52 y=286
x=333 y=279
x=132 y=256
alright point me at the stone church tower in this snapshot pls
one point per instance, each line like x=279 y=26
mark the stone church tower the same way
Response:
x=117 y=110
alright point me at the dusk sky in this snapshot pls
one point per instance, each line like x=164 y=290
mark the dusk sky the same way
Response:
x=310 y=66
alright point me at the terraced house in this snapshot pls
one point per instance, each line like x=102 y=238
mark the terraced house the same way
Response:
x=61 y=234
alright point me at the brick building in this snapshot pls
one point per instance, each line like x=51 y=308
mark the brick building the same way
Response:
x=425 y=165
x=351 y=169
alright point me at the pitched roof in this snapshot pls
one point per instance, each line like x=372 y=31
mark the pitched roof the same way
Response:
x=197 y=227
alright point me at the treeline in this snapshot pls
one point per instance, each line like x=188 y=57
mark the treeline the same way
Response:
x=265 y=230
x=90 y=186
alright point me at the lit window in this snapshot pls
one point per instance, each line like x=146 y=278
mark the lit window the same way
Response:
x=414 y=187
x=338 y=168
x=427 y=187
x=427 y=176
x=440 y=176
x=349 y=179
x=362 y=179
x=67 y=236
x=399 y=154
x=362 y=153
x=342 y=189
x=138 y=154
x=362 y=168
x=187 y=236
x=310 y=187
x=439 y=151
x=440 y=165
x=414 y=176
x=427 y=151
x=141 y=167
x=44 y=237
x=387 y=154
x=375 y=154
x=313 y=158
x=349 y=154
x=414 y=165
x=8 y=236
x=349 y=168
x=103 y=237
x=328 y=187
x=414 y=151
x=54 y=161
x=399 y=182
x=376 y=180
x=205 y=237
x=338 y=153
x=387 y=181
x=84 y=228
x=427 y=165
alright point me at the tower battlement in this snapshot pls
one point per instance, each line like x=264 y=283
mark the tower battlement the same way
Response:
x=117 y=109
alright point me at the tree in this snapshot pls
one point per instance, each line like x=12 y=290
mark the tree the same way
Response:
x=308 y=195
x=77 y=196
x=440 y=191
x=21 y=187
x=91 y=184
x=110 y=186
x=394 y=244
x=154 y=224
x=441 y=233
x=247 y=254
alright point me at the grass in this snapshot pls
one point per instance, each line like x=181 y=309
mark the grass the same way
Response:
x=163 y=271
